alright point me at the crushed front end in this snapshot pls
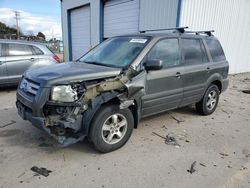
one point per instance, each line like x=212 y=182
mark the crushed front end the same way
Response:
x=60 y=110
x=62 y=120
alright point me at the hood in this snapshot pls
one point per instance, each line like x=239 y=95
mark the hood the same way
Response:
x=65 y=73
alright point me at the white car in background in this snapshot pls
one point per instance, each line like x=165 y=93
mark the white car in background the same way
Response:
x=18 y=56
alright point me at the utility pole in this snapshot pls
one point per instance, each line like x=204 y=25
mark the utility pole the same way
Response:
x=17 y=14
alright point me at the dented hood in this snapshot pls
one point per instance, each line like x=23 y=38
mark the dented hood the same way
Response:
x=70 y=72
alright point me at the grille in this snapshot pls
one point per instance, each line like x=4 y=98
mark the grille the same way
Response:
x=29 y=87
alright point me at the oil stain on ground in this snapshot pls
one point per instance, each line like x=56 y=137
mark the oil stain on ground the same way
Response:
x=10 y=132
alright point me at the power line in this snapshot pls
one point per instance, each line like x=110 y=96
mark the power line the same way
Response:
x=17 y=14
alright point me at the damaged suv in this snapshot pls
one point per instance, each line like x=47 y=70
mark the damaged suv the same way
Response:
x=105 y=93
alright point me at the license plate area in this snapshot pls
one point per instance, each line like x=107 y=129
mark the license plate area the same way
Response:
x=21 y=110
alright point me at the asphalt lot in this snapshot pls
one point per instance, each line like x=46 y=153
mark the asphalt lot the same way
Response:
x=219 y=143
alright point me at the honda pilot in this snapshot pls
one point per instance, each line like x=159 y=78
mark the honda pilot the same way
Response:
x=104 y=94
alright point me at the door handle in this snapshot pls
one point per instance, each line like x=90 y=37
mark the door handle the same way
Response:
x=1 y=62
x=178 y=75
x=208 y=69
x=32 y=59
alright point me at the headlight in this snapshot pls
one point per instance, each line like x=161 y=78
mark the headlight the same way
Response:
x=63 y=93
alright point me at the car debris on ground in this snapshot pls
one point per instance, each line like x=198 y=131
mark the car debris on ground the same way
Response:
x=246 y=91
x=5 y=125
x=202 y=164
x=192 y=170
x=177 y=120
x=21 y=175
x=41 y=171
x=170 y=140
x=243 y=168
x=224 y=154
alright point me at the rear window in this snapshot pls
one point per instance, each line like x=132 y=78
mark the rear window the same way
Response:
x=193 y=51
x=37 y=50
x=19 y=50
x=50 y=50
x=215 y=50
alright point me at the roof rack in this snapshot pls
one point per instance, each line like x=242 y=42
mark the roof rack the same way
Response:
x=182 y=30
x=179 y=29
x=209 y=32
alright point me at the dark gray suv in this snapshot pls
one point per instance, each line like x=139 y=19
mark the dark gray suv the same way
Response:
x=105 y=93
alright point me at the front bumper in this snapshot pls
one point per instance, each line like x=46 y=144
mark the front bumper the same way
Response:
x=31 y=109
x=26 y=114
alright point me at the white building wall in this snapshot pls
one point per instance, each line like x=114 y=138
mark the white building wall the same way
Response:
x=231 y=21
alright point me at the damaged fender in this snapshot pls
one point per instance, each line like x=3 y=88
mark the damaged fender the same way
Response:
x=135 y=89
x=127 y=88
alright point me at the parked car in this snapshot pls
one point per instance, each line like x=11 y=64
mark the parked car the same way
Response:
x=18 y=56
x=105 y=93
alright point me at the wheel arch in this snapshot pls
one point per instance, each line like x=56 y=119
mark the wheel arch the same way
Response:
x=218 y=84
x=104 y=99
x=215 y=79
x=133 y=108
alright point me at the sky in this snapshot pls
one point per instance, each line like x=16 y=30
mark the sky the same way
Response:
x=35 y=16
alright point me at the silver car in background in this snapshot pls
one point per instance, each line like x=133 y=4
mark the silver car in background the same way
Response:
x=18 y=56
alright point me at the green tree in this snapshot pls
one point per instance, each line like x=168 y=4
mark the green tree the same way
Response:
x=4 y=29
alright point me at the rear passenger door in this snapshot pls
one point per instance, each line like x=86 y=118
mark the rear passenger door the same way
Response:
x=19 y=58
x=3 y=69
x=195 y=62
x=164 y=89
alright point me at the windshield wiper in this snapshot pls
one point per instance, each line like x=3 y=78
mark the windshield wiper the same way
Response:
x=98 y=63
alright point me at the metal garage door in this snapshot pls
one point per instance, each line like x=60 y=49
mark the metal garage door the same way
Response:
x=80 y=31
x=121 y=17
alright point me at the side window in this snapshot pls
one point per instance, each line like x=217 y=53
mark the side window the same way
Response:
x=166 y=50
x=1 y=50
x=215 y=50
x=19 y=49
x=193 y=51
x=37 y=51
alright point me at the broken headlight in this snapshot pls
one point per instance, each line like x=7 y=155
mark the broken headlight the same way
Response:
x=63 y=93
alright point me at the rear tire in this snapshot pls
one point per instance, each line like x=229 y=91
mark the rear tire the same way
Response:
x=209 y=102
x=111 y=128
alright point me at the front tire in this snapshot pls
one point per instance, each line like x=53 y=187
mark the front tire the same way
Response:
x=209 y=102
x=111 y=128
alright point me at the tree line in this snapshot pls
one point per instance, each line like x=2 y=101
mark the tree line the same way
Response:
x=7 y=32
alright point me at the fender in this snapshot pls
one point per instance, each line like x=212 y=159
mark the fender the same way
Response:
x=212 y=78
x=93 y=107
x=135 y=91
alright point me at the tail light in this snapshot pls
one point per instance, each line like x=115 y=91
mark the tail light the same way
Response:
x=57 y=58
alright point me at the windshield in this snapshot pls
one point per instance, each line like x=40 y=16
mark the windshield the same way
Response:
x=116 y=52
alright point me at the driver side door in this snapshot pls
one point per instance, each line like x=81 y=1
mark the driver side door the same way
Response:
x=164 y=88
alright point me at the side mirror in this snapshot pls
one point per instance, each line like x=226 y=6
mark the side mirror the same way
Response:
x=153 y=65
